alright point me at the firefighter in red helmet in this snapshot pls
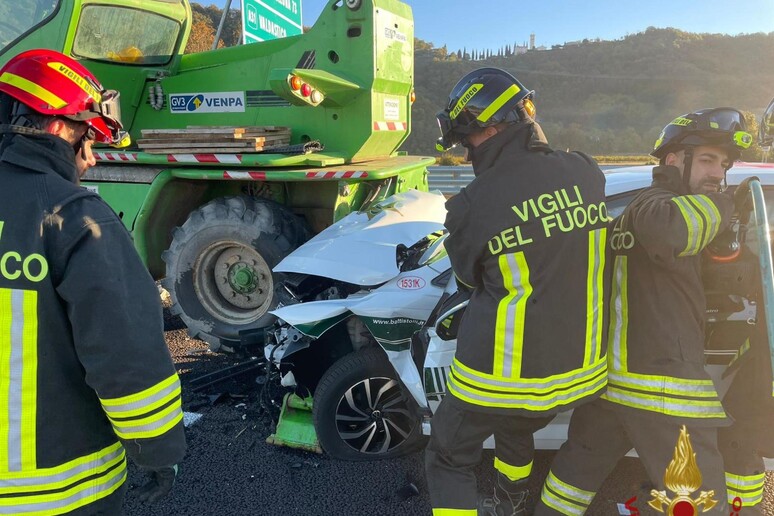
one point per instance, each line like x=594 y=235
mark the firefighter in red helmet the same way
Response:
x=85 y=372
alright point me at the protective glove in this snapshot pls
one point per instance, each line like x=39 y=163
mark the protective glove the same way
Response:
x=742 y=198
x=159 y=485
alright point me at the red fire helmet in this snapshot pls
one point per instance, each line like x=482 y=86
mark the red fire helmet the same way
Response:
x=50 y=83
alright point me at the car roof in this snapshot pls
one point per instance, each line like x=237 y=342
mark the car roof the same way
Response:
x=628 y=179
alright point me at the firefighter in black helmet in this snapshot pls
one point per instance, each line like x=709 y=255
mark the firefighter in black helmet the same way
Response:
x=656 y=377
x=527 y=236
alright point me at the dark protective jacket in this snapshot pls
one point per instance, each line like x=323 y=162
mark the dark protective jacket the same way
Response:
x=85 y=373
x=656 y=348
x=528 y=236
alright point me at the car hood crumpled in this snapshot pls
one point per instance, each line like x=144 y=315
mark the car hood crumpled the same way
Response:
x=361 y=247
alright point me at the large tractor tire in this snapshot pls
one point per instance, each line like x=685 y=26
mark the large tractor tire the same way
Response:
x=362 y=412
x=219 y=266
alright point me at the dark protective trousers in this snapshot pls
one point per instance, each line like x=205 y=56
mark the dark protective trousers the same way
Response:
x=600 y=434
x=750 y=403
x=456 y=442
x=744 y=444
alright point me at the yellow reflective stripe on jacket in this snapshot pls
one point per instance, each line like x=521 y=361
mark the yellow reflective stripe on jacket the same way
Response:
x=749 y=488
x=61 y=489
x=711 y=216
x=146 y=414
x=511 y=312
x=695 y=388
x=702 y=220
x=513 y=473
x=619 y=316
x=693 y=224
x=18 y=379
x=534 y=394
x=664 y=404
x=594 y=295
x=141 y=403
x=455 y=512
x=564 y=498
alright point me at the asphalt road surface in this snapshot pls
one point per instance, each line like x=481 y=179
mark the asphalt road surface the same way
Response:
x=231 y=471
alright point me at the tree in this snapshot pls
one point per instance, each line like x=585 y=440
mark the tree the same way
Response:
x=202 y=36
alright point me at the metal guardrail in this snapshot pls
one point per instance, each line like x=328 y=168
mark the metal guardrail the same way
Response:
x=449 y=180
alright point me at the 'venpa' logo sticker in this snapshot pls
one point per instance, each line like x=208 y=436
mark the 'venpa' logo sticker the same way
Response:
x=215 y=102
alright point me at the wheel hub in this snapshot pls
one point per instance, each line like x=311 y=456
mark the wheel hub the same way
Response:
x=242 y=278
x=233 y=282
x=373 y=416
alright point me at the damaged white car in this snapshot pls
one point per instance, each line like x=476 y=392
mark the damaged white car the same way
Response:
x=353 y=298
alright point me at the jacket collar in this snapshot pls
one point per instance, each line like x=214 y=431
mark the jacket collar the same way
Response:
x=518 y=138
x=40 y=153
x=669 y=177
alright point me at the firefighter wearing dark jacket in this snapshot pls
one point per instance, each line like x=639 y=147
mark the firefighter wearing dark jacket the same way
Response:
x=85 y=373
x=527 y=237
x=657 y=382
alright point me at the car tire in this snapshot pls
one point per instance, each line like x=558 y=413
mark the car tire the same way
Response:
x=362 y=411
x=219 y=266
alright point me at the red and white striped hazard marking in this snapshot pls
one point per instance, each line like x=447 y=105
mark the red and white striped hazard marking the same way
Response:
x=232 y=159
x=115 y=156
x=390 y=126
x=251 y=176
x=337 y=174
x=205 y=158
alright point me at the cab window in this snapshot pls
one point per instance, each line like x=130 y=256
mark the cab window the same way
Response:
x=19 y=16
x=125 y=35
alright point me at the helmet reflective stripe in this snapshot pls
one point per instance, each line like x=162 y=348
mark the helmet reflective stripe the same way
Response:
x=681 y=121
x=498 y=103
x=33 y=89
x=77 y=79
x=465 y=99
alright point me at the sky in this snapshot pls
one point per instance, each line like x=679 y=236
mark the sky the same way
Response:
x=494 y=23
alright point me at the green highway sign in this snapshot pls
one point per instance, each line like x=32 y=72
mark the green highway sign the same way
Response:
x=270 y=19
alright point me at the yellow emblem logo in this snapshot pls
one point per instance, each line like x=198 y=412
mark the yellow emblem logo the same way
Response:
x=683 y=477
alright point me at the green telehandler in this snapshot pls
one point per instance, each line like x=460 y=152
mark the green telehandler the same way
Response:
x=213 y=223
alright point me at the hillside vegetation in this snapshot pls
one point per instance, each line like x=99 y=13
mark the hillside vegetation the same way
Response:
x=612 y=97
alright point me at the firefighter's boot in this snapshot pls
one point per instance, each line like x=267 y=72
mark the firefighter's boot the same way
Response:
x=509 y=498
